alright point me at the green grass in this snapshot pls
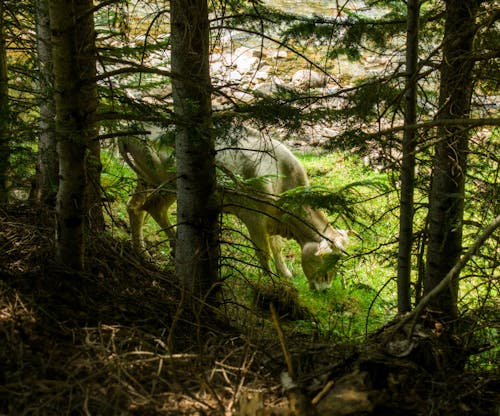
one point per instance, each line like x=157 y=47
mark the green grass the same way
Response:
x=352 y=304
x=363 y=294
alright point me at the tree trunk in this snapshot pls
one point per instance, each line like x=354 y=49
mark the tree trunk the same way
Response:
x=4 y=114
x=197 y=246
x=73 y=52
x=95 y=216
x=408 y=163
x=450 y=160
x=48 y=164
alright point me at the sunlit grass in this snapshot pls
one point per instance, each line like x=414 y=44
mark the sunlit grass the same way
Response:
x=353 y=304
x=363 y=293
x=362 y=296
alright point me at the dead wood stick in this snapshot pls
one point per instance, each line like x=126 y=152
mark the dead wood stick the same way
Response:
x=324 y=391
x=284 y=347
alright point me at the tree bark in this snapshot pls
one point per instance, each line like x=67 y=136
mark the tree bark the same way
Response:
x=4 y=113
x=408 y=162
x=73 y=52
x=48 y=164
x=450 y=161
x=95 y=216
x=197 y=246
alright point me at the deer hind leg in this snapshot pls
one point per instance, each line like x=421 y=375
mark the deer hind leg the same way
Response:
x=157 y=206
x=279 y=262
x=262 y=250
x=260 y=240
x=136 y=214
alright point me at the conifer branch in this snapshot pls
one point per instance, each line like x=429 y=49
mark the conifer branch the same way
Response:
x=466 y=122
x=283 y=45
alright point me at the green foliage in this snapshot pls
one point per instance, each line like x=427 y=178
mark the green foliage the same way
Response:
x=117 y=179
x=278 y=110
x=134 y=85
x=352 y=303
x=345 y=202
x=315 y=27
x=480 y=284
x=343 y=312
x=373 y=99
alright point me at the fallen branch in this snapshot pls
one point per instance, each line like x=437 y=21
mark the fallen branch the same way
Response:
x=281 y=338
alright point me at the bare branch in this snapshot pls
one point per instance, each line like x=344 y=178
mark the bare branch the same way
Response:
x=133 y=70
x=133 y=117
x=467 y=122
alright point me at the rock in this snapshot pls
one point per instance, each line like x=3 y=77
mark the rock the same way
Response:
x=269 y=87
x=242 y=96
x=246 y=64
x=306 y=78
x=279 y=54
x=262 y=74
x=234 y=76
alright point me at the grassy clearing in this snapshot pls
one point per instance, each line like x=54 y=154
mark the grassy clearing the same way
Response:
x=351 y=306
x=363 y=295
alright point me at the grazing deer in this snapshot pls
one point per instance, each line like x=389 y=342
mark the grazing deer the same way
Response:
x=246 y=156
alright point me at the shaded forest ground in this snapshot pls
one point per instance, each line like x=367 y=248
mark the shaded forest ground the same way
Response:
x=111 y=341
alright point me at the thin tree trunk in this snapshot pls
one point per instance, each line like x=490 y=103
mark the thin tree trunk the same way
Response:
x=450 y=160
x=48 y=164
x=197 y=247
x=73 y=40
x=408 y=163
x=4 y=114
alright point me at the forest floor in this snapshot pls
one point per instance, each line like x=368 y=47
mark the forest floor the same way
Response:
x=113 y=341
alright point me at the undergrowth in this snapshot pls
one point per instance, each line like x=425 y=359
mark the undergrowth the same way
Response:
x=353 y=305
x=109 y=341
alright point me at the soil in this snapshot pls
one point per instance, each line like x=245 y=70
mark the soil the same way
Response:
x=114 y=340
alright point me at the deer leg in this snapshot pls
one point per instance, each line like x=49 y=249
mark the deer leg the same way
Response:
x=279 y=262
x=136 y=214
x=260 y=240
x=157 y=206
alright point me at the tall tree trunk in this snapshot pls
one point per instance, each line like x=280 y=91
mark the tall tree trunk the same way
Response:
x=48 y=164
x=94 y=204
x=73 y=52
x=450 y=160
x=197 y=247
x=4 y=113
x=408 y=163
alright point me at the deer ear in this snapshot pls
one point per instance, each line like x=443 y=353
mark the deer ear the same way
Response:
x=323 y=249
